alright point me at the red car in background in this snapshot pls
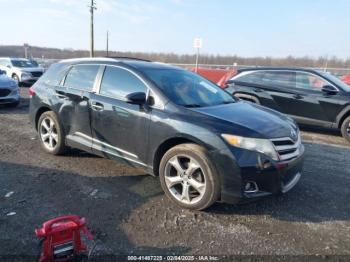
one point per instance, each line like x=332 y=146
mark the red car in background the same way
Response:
x=346 y=79
x=218 y=76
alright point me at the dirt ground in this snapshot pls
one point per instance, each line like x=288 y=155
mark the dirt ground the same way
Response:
x=128 y=213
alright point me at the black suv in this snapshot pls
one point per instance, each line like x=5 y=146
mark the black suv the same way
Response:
x=204 y=144
x=309 y=96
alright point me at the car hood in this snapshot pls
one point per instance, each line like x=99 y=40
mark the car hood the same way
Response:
x=260 y=121
x=5 y=81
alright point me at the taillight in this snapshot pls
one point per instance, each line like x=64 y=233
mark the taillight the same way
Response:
x=31 y=92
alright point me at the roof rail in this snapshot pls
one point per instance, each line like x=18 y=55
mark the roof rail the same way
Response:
x=128 y=58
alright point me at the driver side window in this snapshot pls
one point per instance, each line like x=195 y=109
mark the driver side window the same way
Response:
x=310 y=81
x=118 y=83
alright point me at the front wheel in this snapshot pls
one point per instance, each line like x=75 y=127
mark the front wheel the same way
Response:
x=188 y=177
x=15 y=77
x=345 y=129
x=51 y=134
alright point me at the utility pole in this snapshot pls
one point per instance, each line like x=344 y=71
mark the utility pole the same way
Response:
x=107 y=44
x=92 y=7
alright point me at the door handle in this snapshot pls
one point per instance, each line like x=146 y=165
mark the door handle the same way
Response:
x=61 y=95
x=97 y=106
x=298 y=96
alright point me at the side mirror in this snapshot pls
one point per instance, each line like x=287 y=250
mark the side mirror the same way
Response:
x=229 y=82
x=328 y=89
x=137 y=98
x=8 y=66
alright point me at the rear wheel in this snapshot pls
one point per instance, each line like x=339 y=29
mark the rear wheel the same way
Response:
x=188 y=177
x=345 y=129
x=51 y=134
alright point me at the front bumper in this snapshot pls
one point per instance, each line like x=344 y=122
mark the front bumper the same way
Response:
x=13 y=97
x=31 y=80
x=268 y=177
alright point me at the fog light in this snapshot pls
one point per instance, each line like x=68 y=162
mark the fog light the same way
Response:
x=251 y=187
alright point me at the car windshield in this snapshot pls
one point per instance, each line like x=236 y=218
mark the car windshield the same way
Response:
x=22 y=63
x=336 y=81
x=188 y=89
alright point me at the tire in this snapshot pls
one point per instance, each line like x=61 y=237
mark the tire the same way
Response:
x=16 y=78
x=194 y=188
x=51 y=134
x=345 y=128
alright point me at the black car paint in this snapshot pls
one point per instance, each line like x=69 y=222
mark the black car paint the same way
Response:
x=309 y=107
x=138 y=134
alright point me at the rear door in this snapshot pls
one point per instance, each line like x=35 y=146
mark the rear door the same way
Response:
x=272 y=88
x=74 y=111
x=120 y=130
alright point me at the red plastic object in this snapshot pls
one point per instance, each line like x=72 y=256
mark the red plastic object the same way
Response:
x=218 y=76
x=346 y=79
x=62 y=238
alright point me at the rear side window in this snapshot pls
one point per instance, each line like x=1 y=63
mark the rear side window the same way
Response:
x=81 y=77
x=53 y=76
x=251 y=78
x=270 y=78
x=279 y=79
x=118 y=83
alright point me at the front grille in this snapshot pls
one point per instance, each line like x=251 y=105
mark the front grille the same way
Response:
x=4 y=92
x=286 y=148
x=36 y=74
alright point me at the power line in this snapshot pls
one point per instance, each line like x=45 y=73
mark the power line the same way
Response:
x=92 y=7
x=107 y=43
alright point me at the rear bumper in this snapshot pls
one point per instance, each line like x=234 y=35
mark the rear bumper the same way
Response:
x=268 y=177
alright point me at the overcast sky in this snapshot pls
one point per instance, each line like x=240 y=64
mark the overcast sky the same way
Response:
x=246 y=28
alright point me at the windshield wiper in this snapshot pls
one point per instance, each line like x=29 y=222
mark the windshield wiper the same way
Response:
x=192 y=105
x=227 y=102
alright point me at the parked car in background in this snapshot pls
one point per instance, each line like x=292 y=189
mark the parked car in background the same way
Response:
x=21 y=70
x=309 y=96
x=204 y=144
x=9 y=90
x=217 y=76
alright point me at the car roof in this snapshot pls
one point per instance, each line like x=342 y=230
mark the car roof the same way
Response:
x=131 y=62
x=276 y=68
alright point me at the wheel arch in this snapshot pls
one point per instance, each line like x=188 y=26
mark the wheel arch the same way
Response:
x=247 y=97
x=39 y=112
x=343 y=115
x=170 y=143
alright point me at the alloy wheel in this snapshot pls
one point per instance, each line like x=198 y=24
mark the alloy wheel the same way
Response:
x=185 y=179
x=15 y=77
x=48 y=133
x=348 y=130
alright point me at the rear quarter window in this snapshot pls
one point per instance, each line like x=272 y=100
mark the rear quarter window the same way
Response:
x=82 y=77
x=54 y=75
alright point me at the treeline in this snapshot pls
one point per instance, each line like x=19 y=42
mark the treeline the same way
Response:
x=54 y=53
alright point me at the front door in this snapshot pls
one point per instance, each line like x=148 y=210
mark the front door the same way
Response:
x=120 y=130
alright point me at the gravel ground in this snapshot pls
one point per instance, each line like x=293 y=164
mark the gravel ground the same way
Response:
x=128 y=213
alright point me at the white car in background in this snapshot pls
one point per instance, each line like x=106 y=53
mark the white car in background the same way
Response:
x=21 y=70
x=9 y=90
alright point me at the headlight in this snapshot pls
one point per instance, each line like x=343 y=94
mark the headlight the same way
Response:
x=264 y=146
x=26 y=76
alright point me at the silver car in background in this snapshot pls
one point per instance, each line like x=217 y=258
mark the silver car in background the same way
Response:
x=9 y=90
